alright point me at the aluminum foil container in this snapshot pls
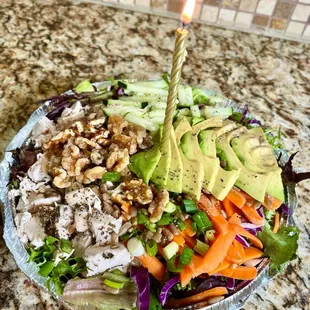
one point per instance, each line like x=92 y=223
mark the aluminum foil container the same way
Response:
x=236 y=299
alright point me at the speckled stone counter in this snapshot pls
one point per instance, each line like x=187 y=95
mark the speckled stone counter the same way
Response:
x=48 y=46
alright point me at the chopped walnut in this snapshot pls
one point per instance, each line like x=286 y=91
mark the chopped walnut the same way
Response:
x=80 y=164
x=137 y=190
x=95 y=173
x=68 y=163
x=137 y=131
x=117 y=124
x=158 y=205
x=125 y=142
x=71 y=150
x=96 y=157
x=120 y=200
x=118 y=160
x=61 y=180
x=60 y=138
x=84 y=143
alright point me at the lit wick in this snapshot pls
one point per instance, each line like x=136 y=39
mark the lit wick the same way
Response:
x=179 y=55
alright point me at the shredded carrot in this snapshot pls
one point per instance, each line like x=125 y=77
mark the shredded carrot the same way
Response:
x=276 y=222
x=223 y=265
x=124 y=219
x=271 y=203
x=230 y=208
x=189 y=229
x=252 y=215
x=239 y=247
x=179 y=240
x=186 y=275
x=234 y=255
x=216 y=253
x=160 y=250
x=196 y=262
x=237 y=198
x=183 y=302
x=235 y=219
x=191 y=242
x=218 y=220
x=252 y=253
x=241 y=231
x=154 y=266
x=240 y=273
x=126 y=207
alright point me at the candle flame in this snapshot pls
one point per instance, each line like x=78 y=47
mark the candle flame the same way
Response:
x=188 y=11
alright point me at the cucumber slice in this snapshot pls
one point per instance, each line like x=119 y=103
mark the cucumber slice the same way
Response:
x=128 y=103
x=185 y=95
x=184 y=112
x=212 y=111
x=195 y=111
x=156 y=113
x=155 y=84
x=144 y=98
x=158 y=105
x=143 y=89
x=122 y=110
x=143 y=122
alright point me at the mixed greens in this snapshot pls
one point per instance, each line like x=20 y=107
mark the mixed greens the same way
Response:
x=195 y=222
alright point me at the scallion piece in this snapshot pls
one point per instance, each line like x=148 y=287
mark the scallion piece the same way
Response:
x=202 y=221
x=201 y=248
x=151 y=247
x=174 y=264
x=165 y=220
x=113 y=284
x=113 y=176
x=180 y=224
x=186 y=256
x=189 y=206
x=66 y=246
x=210 y=235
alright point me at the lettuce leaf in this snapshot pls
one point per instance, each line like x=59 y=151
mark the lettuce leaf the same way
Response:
x=84 y=87
x=281 y=247
x=199 y=96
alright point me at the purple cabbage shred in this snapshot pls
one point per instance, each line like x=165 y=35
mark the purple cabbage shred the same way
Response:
x=141 y=277
x=165 y=291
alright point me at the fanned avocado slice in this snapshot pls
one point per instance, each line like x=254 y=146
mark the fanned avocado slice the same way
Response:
x=193 y=172
x=252 y=183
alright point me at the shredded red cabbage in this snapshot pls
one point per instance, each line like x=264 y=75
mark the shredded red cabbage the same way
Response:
x=285 y=209
x=260 y=211
x=253 y=121
x=230 y=283
x=141 y=277
x=242 y=241
x=244 y=113
x=166 y=289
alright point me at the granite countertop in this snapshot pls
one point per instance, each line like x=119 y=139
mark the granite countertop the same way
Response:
x=47 y=47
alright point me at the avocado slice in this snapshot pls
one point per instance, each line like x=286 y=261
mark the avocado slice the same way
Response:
x=193 y=152
x=175 y=173
x=206 y=140
x=160 y=174
x=257 y=155
x=227 y=127
x=193 y=172
x=252 y=183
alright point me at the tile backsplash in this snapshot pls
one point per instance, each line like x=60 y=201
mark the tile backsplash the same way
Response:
x=281 y=18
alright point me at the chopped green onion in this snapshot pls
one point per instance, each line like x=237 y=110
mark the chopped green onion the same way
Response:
x=189 y=206
x=165 y=220
x=201 y=248
x=180 y=224
x=46 y=269
x=170 y=207
x=66 y=246
x=210 y=235
x=50 y=240
x=171 y=249
x=113 y=176
x=202 y=221
x=113 y=284
x=151 y=247
x=194 y=226
x=143 y=219
x=130 y=234
x=174 y=264
x=186 y=256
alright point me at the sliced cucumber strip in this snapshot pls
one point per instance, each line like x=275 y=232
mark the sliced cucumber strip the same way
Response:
x=122 y=110
x=185 y=95
x=212 y=111
x=157 y=105
x=143 y=122
x=143 y=89
x=195 y=111
x=144 y=98
x=128 y=103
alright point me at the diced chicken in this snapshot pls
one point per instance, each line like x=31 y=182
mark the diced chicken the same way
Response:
x=65 y=219
x=81 y=219
x=102 y=225
x=30 y=229
x=83 y=196
x=43 y=131
x=38 y=171
x=37 y=200
x=70 y=115
x=99 y=259
x=80 y=242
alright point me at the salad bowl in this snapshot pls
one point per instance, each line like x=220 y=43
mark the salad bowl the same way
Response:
x=236 y=297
